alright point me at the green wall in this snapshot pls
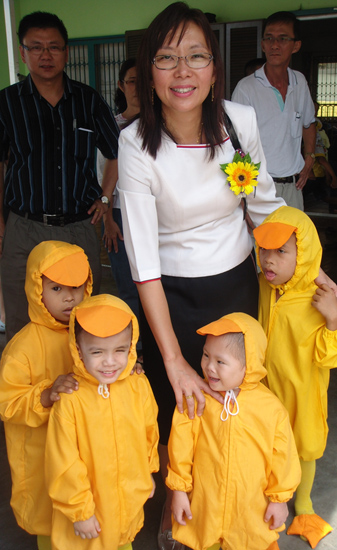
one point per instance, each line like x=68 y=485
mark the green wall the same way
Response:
x=4 y=78
x=84 y=18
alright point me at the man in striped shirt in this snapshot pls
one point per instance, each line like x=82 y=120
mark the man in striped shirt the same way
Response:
x=50 y=127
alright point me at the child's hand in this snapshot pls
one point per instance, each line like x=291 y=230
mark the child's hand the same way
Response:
x=138 y=368
x=153 y=487
x=324 y=279
x=88 y=529
x=65 y=383
x=325 y=301
x=181 y=507
x=278 y=511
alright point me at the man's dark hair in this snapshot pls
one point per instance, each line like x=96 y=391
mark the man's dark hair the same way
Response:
x=254 y=64
x=41 y=20
x=284 y=17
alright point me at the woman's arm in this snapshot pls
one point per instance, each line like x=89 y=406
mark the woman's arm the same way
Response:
x=184 y=379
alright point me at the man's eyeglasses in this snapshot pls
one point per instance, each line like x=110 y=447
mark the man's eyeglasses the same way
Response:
x=279 y=39
x=38 y=50
x=194 y=61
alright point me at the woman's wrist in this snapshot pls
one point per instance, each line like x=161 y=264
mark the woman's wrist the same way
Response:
x=171 y=358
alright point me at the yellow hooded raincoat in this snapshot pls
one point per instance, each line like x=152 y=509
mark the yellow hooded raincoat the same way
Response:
x=301 y=350
x=231 y=469
x=30 y=363
x=101 y=450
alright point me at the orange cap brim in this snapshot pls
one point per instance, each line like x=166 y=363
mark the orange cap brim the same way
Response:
x=103 y=320
x=219 y=327
x=273 y=235
x=72 y=270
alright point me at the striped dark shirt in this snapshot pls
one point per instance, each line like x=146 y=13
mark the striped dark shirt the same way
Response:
x=51 y=166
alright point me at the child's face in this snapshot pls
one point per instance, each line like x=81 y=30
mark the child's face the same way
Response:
x=278 y=264
x=223 y=371
x=105 y=358
x=61 y=299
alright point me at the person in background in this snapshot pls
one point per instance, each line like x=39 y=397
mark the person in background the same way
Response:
x=35 y=368
x=50 y=190
x=187 y=241
x=254 y=64
x=284 y=108
x=322 y=178
x=127 y=104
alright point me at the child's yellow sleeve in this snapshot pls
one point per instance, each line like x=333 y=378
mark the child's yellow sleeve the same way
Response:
x=181 y=447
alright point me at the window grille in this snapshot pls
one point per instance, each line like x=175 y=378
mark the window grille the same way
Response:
x=110 y=58
x=77 y=67
x=96 y=62
x=326 y=88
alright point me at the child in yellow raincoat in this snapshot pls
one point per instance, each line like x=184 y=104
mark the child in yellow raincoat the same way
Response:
x=300 y=321
x=102 y=440
x=234 y=468
x=35 y=367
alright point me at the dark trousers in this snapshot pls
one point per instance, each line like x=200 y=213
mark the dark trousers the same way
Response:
x=21 y=236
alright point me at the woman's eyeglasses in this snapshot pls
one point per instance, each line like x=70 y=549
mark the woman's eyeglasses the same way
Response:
x=193 y=60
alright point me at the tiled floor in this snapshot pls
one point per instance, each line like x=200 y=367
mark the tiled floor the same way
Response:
x=325 y=488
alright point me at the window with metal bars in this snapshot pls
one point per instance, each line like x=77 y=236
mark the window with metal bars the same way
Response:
x=96 y=62
x=327 y=87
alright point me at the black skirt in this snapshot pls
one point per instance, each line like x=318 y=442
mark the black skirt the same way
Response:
x=193 y=303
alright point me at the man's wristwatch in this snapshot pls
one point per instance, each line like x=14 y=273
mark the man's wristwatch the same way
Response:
x=105 y=200
x=312 y=155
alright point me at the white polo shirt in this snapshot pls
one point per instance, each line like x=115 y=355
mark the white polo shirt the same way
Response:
x=280 y=129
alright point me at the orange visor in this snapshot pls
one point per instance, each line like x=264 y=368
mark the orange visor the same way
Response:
x=219 y=327
x=72 y=270
x=103 y=320
x=273 y=235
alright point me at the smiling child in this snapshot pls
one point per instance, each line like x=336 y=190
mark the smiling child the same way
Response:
x=102 y=442
x=234 y=468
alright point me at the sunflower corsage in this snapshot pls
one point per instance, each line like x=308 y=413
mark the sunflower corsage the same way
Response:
x=242 y=174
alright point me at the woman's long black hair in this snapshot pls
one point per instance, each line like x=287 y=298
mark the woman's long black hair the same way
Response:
x=165 y=26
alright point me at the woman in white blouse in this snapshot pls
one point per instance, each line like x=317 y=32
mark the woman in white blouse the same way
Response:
x=188 y=245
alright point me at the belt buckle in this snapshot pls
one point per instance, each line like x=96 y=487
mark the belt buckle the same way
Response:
x=46 y=216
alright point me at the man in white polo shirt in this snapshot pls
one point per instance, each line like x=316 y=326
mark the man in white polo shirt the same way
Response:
x=284 y=108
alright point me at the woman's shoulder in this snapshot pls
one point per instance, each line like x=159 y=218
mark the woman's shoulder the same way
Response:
x=129 y=138
x=131 y=129
x=238 y=111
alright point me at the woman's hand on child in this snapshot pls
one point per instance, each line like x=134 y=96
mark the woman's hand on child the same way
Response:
x=325 y=301
x=186 y=382
x=65 y=383
x=279 y=512
x=181 y=507
x=88 y=529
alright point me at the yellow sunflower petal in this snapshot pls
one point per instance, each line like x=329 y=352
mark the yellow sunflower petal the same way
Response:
x=242 y=177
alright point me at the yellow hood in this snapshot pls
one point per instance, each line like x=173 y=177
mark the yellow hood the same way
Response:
x=107 y=301
x=41 y=258
x=255 y=343
x=309 y=249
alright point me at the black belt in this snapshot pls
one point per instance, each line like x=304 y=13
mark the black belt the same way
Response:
x=288 y=179
x=53 y=219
